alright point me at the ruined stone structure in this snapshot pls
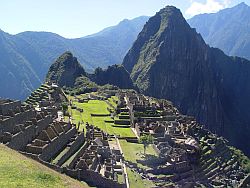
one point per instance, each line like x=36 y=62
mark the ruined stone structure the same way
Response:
x=38 y=133
x=47 y=95
x=188 y=153
x=98 y=157
x=191 y=154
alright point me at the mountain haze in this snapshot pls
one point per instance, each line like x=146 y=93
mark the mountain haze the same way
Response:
x=229 y=29
x=170 y=60
x=18 y=76
x=26 y=57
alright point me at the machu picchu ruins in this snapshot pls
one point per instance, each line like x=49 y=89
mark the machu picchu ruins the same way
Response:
x=185 y=153
x=155 y=101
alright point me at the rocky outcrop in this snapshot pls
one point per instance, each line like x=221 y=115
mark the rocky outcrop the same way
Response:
x=65 y=70
x=170 y=60
x=114 y=75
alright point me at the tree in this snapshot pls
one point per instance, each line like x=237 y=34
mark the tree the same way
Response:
x=64 y=107
x=146 y=140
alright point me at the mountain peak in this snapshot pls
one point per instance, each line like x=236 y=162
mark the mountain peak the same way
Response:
x=239 y=7
x=167 y=27
x=65 y=56
x=243 y=4
x=170 y=60
x=170 y=10
x=170 y=14
x=65 y=70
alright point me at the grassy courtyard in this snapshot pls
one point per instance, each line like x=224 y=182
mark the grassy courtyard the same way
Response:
x=17 y=170
x=135 y=153
x=98 y=107
x=135 y=180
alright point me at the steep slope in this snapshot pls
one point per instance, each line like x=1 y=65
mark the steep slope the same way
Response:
x=114 y=75
x=18 y=76
x=229 y=29
x=26 y=57
x=19 y=171
x=65 y=70
x=170 y=60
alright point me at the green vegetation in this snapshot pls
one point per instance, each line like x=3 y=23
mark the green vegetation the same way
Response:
x=64 y=107
x=17 y=170
x=58 y=157
x=135 y=180
x=116 y=75
x=39 y=94
x=113 y=101
x=244 y=160
x=103 y=122
x=146 y=140
x=65 y=70
x=134 y=152
x=26 y=73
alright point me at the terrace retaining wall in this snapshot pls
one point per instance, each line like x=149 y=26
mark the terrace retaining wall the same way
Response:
x=58 y=144
x=73 y=148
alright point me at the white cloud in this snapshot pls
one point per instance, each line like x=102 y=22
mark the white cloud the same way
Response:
x=208 y=7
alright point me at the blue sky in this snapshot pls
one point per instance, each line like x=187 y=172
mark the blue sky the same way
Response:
x=77 y=18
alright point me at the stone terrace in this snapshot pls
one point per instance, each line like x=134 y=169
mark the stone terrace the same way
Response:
x=52 y=140
x=39 y=134
x=46 y=95
x=188 y=153
x=97 y=156
x=191 y=155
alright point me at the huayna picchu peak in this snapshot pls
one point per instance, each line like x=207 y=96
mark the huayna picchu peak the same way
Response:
x=174 y=113
x=170 y=60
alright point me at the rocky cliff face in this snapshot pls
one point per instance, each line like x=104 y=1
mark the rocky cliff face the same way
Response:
x=65 y=70
x=114 y=75
x=170 y=60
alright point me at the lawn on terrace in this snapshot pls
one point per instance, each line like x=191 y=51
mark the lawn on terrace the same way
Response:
x=135 y=180
x=134 y=152
x=98 y=107
x=17 y=170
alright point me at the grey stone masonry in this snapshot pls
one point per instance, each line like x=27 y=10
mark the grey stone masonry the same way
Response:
x=78 y=142
x=7 y=105
x=28 y=133
x=7 y=124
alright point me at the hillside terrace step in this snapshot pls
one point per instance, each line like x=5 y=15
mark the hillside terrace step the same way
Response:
x=57 y=145
x=212 y=172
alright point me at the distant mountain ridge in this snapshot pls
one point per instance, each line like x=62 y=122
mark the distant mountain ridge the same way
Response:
x=228 y=29
x=26 y=57
x=170 y=60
